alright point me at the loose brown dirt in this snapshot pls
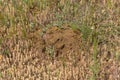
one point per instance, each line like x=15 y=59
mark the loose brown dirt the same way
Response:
x=64 y=41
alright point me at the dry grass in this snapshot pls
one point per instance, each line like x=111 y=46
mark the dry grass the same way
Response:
x=85 y=45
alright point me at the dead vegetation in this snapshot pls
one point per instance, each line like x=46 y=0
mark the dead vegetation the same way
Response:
x=59 y=40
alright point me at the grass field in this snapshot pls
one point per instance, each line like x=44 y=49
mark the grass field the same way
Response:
x=60 y=40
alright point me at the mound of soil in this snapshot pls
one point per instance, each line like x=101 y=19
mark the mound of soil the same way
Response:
x=63 y=40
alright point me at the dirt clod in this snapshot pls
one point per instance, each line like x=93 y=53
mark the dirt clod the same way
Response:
x=63 y=40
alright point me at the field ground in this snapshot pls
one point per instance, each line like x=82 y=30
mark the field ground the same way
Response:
x=60 y=40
